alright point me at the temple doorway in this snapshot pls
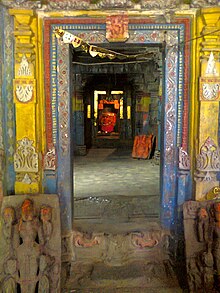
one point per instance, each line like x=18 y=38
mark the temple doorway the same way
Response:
x=114 y=103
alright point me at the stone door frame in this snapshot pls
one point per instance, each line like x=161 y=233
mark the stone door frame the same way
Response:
x=59 y=112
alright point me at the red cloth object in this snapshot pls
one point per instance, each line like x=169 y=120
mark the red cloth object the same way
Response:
x=107 y=121
x=142 y=146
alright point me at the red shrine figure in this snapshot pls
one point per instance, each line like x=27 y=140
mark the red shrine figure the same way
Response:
x=107 y=122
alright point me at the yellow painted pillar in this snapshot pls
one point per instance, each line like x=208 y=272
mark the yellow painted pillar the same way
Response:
x=209 y=97
x=26 y=157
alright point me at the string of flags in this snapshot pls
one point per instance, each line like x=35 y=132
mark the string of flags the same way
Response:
x=94 y=51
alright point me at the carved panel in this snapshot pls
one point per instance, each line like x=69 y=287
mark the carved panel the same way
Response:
x=209 y=89
x=184 y=160
x=63 y=94
x=117 y=28
x=24 y=68
x=208 y=161
x=24 y=90
x=25 y=157
x=50 y=159
x=201 y=229
x=204 y=3
x=30 y=244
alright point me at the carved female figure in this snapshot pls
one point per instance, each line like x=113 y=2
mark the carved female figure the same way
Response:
x=203 y=225
x=28 y=253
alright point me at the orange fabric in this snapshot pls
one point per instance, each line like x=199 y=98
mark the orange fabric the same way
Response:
x=142 y=146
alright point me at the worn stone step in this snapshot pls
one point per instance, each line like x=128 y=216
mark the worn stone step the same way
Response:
x=118 y=207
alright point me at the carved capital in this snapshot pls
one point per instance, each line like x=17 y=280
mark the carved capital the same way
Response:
x=24 y=42
x=210 y=32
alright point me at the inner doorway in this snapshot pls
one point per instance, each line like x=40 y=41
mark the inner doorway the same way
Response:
x=119 y=101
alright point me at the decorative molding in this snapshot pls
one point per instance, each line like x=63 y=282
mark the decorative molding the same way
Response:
x=184 y=160
x=211 y=69
x=105 y=4
x=22 y=4
x=143 y=240
x=8 y=75
x=208 y=161
x=84 y=240
x=24 y=68
x=117 y=28
x=209 y=89
x=63 y=94
x=204 y=3
x=27 y=178
x=25 y=157
x=50 y=159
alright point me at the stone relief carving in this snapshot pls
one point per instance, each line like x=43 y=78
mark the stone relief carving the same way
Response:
x=184 y=160
x=201 y=228
x=208 y=161
x=32 y=252
x=143 y=240
x=63 y=93
x=85 y=240
x=204 y=3
x=25 y=157
x=23 y=3
x=116 y=250
x=50 y=159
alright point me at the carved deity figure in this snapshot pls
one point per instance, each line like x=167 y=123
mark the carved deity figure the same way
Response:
x=28 y=253
x=30 y=263
x=203 y=225
x=216 y=242
x=46 y=217
x=8 y=217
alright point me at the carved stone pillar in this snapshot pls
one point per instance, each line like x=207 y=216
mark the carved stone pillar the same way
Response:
x=209 y=100
x=24 y=90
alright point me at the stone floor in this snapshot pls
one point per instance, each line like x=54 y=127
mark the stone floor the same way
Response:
x=109 y=184
x=114 y=172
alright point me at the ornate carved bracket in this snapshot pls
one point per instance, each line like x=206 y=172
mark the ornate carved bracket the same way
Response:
x=208 y=161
